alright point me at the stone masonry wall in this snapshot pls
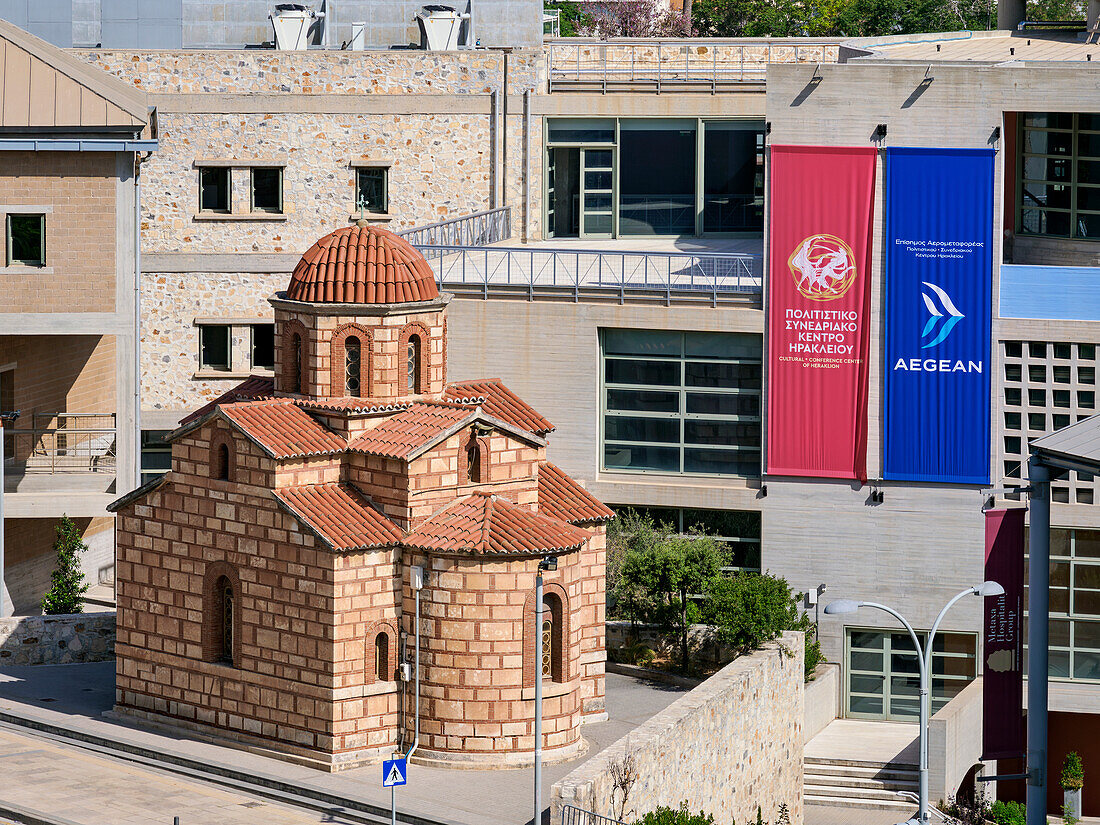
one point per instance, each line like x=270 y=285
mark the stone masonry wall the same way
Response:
x=730 y=745
x=57 y=640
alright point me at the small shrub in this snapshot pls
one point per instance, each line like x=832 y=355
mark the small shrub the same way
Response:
x=676 y=816
x=750 y=609
x=1008 y=813
x=1073 y=772
x=637 y=654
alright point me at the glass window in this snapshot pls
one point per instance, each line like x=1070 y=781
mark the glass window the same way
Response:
x=372 y=190
x=215 y=347
x=263 y=346
x=1075 y=601
x=1059 y=168
x=214 y=189
x=684 y=403
x=26 y=240
x=657 y=177
x=733 y=177
x=738 y=531
x=267 y=190
x=580 y=130
x=1014 y=349
x=353 y=366
x=156 y=454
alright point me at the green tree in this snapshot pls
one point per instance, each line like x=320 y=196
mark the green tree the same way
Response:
x=750 y=609
x=66 y=594
x=630 y=531
x=659 y=576
x=571 y=17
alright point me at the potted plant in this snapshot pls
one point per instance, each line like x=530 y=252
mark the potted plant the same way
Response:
x=1073 y=779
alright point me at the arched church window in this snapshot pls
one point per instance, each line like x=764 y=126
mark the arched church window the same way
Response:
x=353 y=366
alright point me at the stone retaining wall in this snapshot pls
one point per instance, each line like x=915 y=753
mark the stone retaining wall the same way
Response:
x=726 y=747
x=57 y=640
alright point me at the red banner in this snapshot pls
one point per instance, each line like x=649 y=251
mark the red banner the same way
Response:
x=1003 y=734
x=819 y=302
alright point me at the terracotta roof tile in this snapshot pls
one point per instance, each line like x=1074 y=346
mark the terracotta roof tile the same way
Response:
x=500 y=402
x=403 y=433
x=283 y=429
x=340 y=516
x=563 y=498
x=487 y=524
x=253 y=387
x=362 y=265
x=353 y=405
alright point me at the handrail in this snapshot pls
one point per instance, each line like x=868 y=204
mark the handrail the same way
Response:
x=572 y=815
x=476 y=229
x=61 y=449
x=690 y=63
x=596 y=273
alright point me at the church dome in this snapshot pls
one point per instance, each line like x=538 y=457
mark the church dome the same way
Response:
x=362 y=265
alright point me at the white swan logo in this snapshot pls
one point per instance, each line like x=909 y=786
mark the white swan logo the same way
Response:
x=944 y=316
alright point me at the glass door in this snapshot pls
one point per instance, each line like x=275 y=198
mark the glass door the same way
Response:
x=551 y=194
x=597 y=193
x=883 y=676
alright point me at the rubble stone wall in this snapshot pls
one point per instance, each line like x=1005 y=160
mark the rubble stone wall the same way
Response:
x=57 y=640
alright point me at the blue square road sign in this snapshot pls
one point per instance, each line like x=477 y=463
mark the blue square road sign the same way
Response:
x=394 y=773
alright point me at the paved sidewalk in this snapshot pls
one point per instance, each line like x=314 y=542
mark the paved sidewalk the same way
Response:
x=840 y=815
x=72 y=784
x=75 y=696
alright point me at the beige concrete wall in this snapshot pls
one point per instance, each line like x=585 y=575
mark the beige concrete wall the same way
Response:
x=29 y=557
x=730 y=745
x=548 y=353
x=70 y=373
x=823 y=697
x=955 y=743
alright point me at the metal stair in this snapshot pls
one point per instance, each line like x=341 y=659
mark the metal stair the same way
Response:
x=859 y=785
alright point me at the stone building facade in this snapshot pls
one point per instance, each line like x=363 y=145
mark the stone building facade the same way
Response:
x=267 y=583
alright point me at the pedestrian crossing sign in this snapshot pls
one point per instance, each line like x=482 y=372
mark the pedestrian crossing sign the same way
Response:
x=393 y=773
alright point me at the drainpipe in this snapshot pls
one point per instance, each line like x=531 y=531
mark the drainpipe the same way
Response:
x=526 y=167
x=504 y=135
x=135 y=464
x=494 y=149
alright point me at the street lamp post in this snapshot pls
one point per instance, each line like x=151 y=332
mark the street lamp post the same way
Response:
x=924 y=667
x=548 y=563
x=6 y=606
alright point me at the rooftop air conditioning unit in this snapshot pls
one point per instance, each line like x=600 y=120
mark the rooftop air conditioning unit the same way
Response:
x=440 y=27
x=291 y=23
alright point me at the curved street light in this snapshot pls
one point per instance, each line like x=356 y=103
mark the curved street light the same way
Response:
x=924 y=664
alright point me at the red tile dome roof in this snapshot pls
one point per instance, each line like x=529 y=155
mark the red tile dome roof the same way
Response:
x=362 y=265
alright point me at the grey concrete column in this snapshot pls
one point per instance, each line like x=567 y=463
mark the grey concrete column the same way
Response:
x=1093 y=12
x=127 y=313
x=1038 y=637
x=1010 y=13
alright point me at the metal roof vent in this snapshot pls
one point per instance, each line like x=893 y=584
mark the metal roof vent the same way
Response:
x=441 y=27
x=292 y=23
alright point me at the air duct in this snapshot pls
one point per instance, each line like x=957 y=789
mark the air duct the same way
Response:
x=1010 y=14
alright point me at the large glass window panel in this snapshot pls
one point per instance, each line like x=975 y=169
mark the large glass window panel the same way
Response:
x=1059 y=164
x=733 y=177
x=640 y=457
x=657 y=177
x=647 y=402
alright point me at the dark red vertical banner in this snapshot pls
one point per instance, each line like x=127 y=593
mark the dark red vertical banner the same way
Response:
x=1004 y=734
x=819 y=303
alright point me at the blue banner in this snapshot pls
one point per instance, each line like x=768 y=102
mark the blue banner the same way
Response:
x=939 y=284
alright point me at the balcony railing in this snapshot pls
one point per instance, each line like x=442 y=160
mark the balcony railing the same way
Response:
x=477 y=229
x=594 y=274
x=706 y=65
x=62 y=443
x=571 y=815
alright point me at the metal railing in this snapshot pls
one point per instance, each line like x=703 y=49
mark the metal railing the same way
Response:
x=62 y=442
x=596 y=274
x=477 y=229
x=705 y=65
x=578 y=816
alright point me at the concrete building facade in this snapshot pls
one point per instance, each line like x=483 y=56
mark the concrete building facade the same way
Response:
x=70 y=153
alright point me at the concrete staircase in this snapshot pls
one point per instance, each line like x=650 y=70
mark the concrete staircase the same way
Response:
x=859 y=785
